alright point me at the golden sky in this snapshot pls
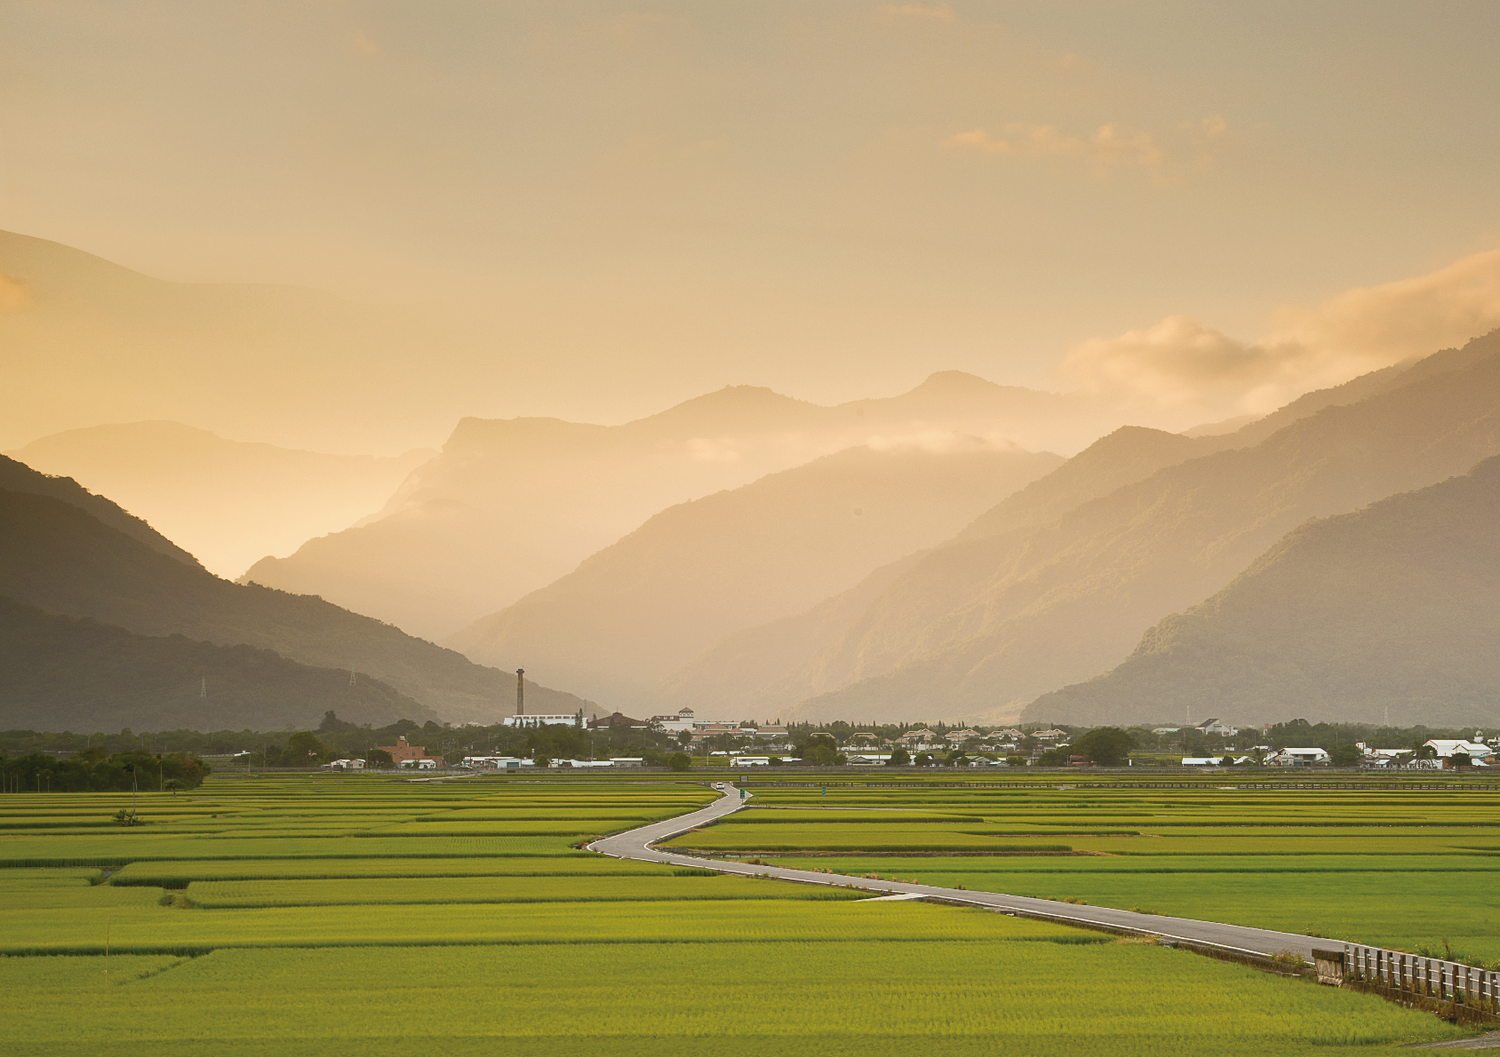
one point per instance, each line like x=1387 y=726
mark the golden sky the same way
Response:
x=605 y=208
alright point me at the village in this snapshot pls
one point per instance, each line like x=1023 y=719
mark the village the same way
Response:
x=725 y=743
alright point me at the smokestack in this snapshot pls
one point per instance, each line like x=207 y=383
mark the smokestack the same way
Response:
x=520 y=691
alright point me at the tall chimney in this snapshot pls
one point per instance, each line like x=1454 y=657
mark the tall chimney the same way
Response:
x=520 y=691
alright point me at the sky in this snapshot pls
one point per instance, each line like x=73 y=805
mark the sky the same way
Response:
x=1206 y=207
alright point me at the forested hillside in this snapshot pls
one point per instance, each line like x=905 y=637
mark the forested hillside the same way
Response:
x=64 y=673
x=58 y=558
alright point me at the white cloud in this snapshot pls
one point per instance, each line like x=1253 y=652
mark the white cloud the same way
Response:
x=1182 y=363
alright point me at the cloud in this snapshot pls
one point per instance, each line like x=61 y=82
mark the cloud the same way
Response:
x=916 y=12
x=939 y=442
x=1109 y=146
x=1182 y=363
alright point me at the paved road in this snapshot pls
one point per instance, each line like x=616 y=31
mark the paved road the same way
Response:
x=637 y=844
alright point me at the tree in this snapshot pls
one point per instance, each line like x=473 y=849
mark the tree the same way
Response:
x=1016 y=761
x=1460 y=759
x=304 y=749
x=174 y=784
x=1053 y=758
x=923 y=760
x=380 y=758
x=1105 y=746
x=541 y=761
x=680 y=761
x=899 y=758
x=1345 y=756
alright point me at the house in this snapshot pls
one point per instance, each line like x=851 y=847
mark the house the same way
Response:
x=1050 y=735
x=627 y=761
x=346 y=765
x=402 y=752
x=868 y=759
x=749 y=761
x=1480 y=754
x=1165 y=730
x=425 y=763
x=1213 y=726
x=616 y=721
x=1310 y=757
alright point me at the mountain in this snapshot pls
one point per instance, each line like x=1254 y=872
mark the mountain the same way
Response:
x=768 y=670
x=1031 y=599
x=63 y=673
x=90 y=341
x=18 y=477
x=228 y=502
x=638 y=609
x=58 y=558
x=511 y=505
x=1389 y=614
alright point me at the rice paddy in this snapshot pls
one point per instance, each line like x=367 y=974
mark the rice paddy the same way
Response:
x=329 y=914
x=1410 y=868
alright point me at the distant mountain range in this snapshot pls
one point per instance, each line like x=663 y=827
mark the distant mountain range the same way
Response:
x=61 y=553
x=1058 y=582
x=510 y=506
x=632 y=613
x=228 y=502
x=1391 y=611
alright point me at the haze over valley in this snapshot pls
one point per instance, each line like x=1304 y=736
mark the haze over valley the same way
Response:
x=893 y=363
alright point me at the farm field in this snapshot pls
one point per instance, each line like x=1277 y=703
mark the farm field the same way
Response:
x=1412 y=869
x=315 y=914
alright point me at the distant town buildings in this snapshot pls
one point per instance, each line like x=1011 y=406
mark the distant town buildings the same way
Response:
x=559 y=720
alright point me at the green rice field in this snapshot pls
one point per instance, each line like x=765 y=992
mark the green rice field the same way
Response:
x=1413 y=869
x=334 y=914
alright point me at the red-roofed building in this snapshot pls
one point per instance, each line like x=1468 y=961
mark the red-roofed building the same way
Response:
x=402 y=752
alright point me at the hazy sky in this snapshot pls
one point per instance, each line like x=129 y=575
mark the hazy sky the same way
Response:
x=644 y=202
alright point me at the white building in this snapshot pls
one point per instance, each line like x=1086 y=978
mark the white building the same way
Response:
x=495 y=763
x=346 y=765
x=1480 y=754
x=749 y=761
x=673 y=724
x=1213 y=726
x=543 y=721
x=424 y=764
x=1310 y=757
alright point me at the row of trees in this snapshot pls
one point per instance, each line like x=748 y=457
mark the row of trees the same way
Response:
x=95 y=770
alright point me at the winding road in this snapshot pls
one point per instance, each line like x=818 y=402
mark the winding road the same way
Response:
x=1229 y=939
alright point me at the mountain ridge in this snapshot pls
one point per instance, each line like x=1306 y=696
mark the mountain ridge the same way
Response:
x=1387 y=610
